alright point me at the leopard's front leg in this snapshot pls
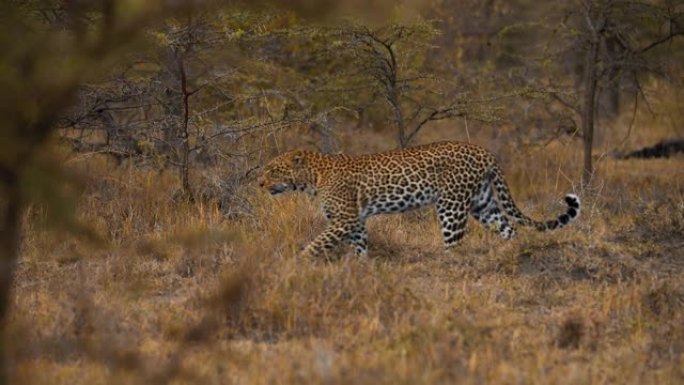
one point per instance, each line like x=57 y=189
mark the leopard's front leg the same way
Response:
x=351 y=231
x=326 y=241
x=344 y=225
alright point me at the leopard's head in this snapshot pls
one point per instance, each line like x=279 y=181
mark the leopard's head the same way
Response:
x=288 y=172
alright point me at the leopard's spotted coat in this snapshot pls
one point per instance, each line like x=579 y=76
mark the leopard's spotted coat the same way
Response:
x=458 y=178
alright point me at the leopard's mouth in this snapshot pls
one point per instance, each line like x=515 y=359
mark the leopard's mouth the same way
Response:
x=278 y=188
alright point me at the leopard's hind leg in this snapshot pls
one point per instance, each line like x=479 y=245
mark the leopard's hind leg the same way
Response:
x=484 y=208
x=452 y=218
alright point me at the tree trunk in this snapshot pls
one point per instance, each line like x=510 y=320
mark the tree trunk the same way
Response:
x=171 y=99
x=184 y=134
x=589 y=107
x=614 y=99
x=390 y=80
x=329 y=144
x=10 y=229
x=613 y=89
x=393 y=99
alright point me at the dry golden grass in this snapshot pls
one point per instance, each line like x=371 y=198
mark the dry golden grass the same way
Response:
x=180 y=294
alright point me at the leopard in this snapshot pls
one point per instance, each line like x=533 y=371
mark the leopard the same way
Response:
x=459 y=179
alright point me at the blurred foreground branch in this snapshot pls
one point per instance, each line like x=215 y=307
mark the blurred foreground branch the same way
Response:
x=39 y=75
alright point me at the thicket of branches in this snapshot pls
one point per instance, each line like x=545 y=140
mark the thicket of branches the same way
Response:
x=208 y=81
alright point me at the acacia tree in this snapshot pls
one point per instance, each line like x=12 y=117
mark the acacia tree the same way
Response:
x=200 y=94
x=390 y=63
x=618 y=43
x=620 y=37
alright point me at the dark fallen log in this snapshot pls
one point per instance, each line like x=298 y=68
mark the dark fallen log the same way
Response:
x=664 y=149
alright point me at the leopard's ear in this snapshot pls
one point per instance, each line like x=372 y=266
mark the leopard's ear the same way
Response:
x=298 y=158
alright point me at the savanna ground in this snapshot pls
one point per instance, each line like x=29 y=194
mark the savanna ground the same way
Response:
x=177 y=292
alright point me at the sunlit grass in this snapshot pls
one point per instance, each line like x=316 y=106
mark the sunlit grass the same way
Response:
x=180 y=292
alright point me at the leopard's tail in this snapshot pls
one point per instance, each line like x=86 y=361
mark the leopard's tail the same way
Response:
x=508 y=205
